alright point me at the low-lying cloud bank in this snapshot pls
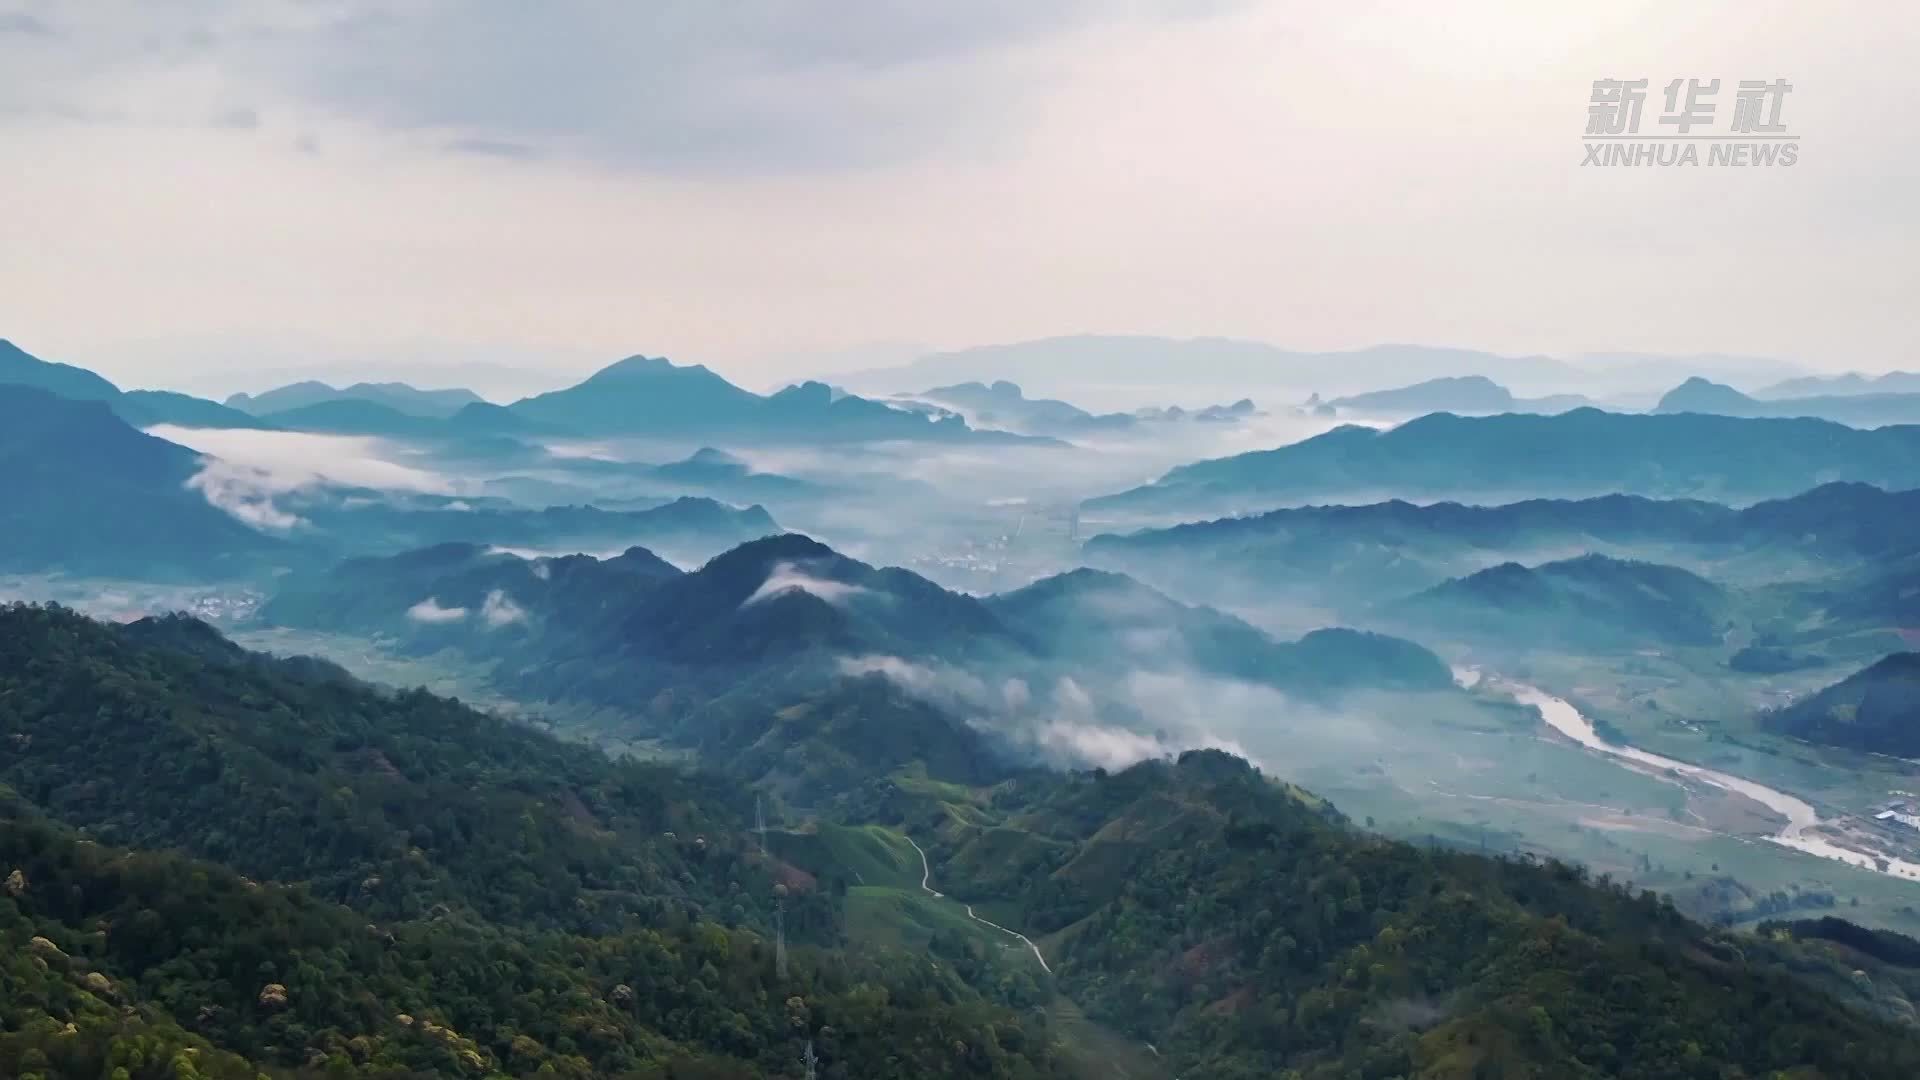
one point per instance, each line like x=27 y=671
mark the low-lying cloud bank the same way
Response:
x=246 y=493
x=1062 y=723
x=789 y=576
x=245 y=471
x=499 y=610
x=431 y=611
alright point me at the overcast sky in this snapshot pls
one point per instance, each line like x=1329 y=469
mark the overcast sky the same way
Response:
x=194 y=186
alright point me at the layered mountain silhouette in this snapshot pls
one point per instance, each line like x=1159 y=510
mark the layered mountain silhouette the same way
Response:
x=141 y=408
x=1893 y=382
x=652 y=396
x=1005 y=405
x=397 y=396
x=725 y=476
x=1144 y=361
x=358 y=416
x=1582 y=452
x=149 y=408
x=83 y=491
x=638 y=396
x=1861 y=408
x=1376 y=551
x=1465 y=394
x=785 y=611
x=1848 y=537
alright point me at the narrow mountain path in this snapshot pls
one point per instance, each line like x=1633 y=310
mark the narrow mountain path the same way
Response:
x=926 y=873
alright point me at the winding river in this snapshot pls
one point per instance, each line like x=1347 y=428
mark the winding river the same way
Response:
x=1801 y=817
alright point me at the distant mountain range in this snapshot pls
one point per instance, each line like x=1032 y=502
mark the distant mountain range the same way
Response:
x=724 y=476
x=82 y=491
x=1004 y=405
x=1380 y=551
x=141 y=408
x=394 y=395
x=1465 y=394
x=653 y=397
x=1833 y=569
x=1062 y=363
x=1893 y=382
x=358 y=416
x=645 y=397
x=534 y=477
x=1064 y=366
x=1863 y=408
x=1582 y=452
x=639 y=396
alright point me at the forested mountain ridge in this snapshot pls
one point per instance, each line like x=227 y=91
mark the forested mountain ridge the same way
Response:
x=536 y=907
x=162 y=734
x=139 y=965
x=1592 y=601
x=1876 y=709
x=1246 y=932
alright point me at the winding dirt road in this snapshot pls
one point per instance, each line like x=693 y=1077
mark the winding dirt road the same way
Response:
x=926 y=873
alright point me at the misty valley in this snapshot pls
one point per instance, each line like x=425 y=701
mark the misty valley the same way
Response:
x=916 y=540
x=909 y=723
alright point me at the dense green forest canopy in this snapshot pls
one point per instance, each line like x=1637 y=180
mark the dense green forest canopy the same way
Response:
x=219 y=864
x=1246 y=931
x=430 y=888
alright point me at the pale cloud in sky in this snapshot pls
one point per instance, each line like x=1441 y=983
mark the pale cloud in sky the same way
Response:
x=210 y=185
